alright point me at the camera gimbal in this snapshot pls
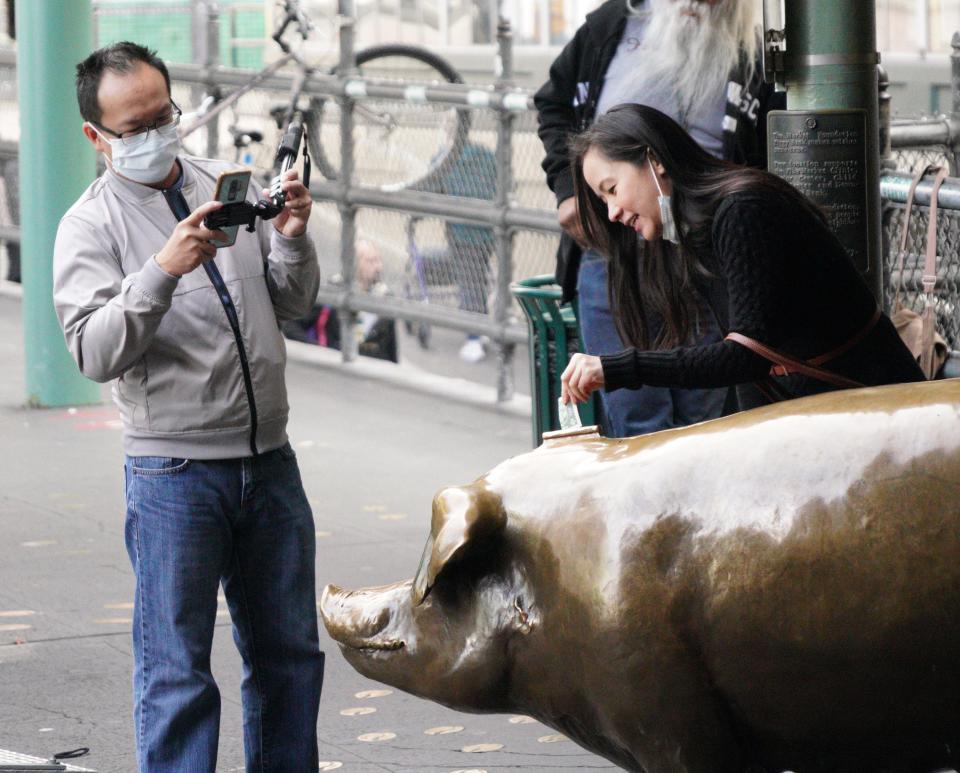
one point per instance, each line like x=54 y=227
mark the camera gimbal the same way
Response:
x=245 y=213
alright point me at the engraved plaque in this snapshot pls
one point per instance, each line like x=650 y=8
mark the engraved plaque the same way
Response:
x=823 y=153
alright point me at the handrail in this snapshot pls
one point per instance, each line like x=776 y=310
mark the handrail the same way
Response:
x=894 y=186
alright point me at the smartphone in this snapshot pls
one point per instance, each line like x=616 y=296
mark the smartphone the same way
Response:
x=231 y=187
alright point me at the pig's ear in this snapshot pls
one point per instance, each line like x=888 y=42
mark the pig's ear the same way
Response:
x=461 y=516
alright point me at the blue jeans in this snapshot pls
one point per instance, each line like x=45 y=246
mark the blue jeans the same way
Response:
x=246 y=523
x=630 y=412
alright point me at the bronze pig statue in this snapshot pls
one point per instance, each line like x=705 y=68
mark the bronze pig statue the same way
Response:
x=775 y=590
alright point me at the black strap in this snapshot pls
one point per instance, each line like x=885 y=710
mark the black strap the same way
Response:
x=82 y=751
x=178 y=205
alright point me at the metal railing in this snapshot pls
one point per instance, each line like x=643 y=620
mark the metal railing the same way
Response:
x=518 y=210
x=906 y=148
x=894 y=187
x=521 y=214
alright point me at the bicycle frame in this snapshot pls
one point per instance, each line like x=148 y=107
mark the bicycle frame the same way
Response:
x=311 y=114
x=234 y=96
x=293 y=14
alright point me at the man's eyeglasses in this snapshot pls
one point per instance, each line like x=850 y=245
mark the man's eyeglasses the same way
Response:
x=137 y=136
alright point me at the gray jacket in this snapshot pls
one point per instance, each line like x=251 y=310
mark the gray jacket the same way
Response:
x=187 y=384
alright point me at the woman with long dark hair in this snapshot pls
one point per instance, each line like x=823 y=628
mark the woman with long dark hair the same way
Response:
x=678 y=225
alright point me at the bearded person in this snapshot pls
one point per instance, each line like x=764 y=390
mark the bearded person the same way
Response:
x=697 y=61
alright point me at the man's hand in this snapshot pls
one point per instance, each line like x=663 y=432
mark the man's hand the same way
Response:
x=293 y=220
x=583 y=375
x=189 y=244
x=570 y=220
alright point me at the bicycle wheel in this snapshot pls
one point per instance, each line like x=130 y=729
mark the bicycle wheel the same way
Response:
x=397 y=144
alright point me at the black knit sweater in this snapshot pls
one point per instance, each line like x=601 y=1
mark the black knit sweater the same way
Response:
x=791 y=286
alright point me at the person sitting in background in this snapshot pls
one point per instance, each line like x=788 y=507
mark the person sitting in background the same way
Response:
x=472 y=175
x=760 y=252
x=376 y=335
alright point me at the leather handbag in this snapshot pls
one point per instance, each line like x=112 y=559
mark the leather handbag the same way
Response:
x=918 y=331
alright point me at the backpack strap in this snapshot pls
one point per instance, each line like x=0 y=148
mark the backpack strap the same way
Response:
x=930 y=281
x=905 y=231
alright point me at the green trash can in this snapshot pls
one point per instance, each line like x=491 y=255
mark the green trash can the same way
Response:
x=554 y=337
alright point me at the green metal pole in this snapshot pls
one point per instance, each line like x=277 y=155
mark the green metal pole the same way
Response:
x=56 y=165
x=831 y=65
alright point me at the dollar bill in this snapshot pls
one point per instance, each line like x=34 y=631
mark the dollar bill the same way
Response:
x=569 y=415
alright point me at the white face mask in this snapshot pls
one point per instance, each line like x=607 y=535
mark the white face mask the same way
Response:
x=666 y=211
x=151 y=160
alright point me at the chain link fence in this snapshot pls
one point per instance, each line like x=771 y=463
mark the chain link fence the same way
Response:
x=916 y=158
x=914 y=145
x=909 y=284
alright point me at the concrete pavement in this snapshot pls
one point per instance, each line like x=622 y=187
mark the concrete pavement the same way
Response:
x=372 y=454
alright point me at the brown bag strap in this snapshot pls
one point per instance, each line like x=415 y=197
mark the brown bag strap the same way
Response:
x=905 y=231
x=930 y=281
x=784 y=365
x=847 y=345
x=930 y=264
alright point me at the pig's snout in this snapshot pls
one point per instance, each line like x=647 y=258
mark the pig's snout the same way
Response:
x=355 y=618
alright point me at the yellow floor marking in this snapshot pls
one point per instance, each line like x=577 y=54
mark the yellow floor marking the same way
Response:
x=446 y=730
x=376 y=737
x=372 y=694
x=358 y=711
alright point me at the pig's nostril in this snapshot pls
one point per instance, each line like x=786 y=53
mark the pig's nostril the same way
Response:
x=352 y=613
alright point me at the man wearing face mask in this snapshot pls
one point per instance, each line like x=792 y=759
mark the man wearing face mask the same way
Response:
x=189 y=334
x=695 y=60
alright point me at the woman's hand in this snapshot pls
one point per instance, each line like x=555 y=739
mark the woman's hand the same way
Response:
x=583 y=375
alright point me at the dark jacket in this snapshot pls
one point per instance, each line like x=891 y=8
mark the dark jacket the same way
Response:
x=567 y=104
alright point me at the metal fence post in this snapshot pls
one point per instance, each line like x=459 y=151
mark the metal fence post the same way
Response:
x=348 y=211
x=883 y=110
x=211 y=56
x=56 y=164
x=955 y=102
x=887 y=164
x=831 y=78
x=955 y=72
x=503 y=233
